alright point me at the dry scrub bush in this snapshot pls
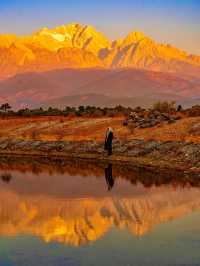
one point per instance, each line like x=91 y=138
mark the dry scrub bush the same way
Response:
x=164 y=107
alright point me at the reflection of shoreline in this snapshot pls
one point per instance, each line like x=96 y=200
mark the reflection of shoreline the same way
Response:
x=89 y=168
x=80 y=221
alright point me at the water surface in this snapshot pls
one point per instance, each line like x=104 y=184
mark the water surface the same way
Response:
x=76 y=213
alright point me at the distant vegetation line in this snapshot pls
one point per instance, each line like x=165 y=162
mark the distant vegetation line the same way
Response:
x=93 y=111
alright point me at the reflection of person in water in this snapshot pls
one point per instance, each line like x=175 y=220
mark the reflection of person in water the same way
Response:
x=109 y=177
x=108 y=140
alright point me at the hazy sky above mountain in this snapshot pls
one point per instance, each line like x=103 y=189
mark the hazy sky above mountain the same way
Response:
x=172 y=21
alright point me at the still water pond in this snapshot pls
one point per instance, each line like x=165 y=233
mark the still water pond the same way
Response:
x=56 y=213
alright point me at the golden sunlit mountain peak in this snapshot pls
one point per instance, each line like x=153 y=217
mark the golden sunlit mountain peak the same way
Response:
x=133 y=37
x=76 y=35
x=43 y=50
x=6 y=40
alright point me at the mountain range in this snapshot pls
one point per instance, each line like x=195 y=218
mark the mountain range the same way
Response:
x=47 y=65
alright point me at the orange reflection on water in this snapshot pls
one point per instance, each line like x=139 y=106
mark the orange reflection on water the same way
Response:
x=72 y=209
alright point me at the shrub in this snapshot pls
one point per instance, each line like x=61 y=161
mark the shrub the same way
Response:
x=164 y=107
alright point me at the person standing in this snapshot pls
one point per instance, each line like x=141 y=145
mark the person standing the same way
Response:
x=108 y=140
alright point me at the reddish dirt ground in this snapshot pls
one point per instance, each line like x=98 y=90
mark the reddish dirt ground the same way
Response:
x=77 y=129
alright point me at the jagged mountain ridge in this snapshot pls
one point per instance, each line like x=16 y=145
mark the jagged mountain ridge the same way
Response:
x=81 y=46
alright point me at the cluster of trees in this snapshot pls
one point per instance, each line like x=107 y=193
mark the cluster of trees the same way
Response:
x=6 y=110
x=93 y=111
x=5 y=107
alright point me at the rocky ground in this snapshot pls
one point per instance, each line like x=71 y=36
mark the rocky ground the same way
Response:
x=141 y=118
x=155 y=154
x=147 y=119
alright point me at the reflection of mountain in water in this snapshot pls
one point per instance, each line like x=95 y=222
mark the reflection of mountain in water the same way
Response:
x=79 y=221
x=69 y=202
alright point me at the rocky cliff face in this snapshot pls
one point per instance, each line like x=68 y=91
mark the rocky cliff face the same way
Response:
x=139 y=51
x=75 y=35
x=78 y=46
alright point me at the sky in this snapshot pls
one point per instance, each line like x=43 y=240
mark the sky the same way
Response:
x=176 y=22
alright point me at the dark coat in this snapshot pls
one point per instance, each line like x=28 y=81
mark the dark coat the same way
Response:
x=108 y=141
